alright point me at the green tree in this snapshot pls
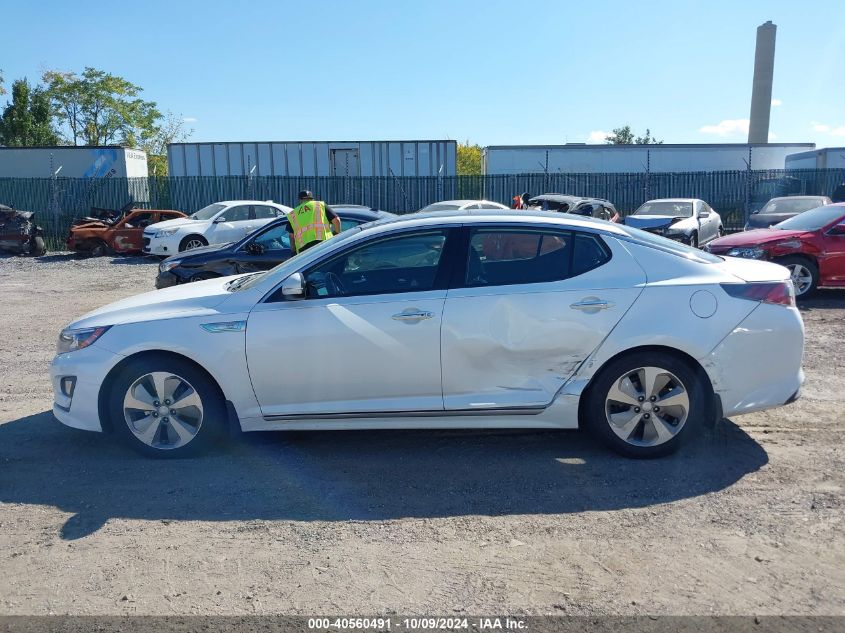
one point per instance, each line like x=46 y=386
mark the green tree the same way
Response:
x=98 y=108
x=27 y=120
x=625 y=136
x=171 y=129
x=469 y=159
x=2 y=89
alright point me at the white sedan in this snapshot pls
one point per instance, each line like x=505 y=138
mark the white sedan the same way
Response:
x=464 y=320
x=464 y=205
x=217 y=223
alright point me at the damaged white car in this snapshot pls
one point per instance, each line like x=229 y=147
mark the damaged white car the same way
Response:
x=467 y=320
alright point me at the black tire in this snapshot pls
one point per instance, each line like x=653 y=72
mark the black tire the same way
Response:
x=595 y=417
x=202 y=277
x=183 y=245
x=37 y=247
x=720 y=232
x=796 y=260
x=100 y=249
x=212 y=428
x=693 y=239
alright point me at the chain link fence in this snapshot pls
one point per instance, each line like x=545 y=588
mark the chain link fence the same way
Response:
x=734 y=194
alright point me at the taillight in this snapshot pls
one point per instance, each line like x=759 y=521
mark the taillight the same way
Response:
x=777 y=292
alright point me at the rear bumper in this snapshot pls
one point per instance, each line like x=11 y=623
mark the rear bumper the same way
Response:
x=758 y=365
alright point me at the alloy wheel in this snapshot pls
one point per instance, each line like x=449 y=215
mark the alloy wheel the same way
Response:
x=193 y=244
x=163 y=410
x=647 y=406
x=801 y=277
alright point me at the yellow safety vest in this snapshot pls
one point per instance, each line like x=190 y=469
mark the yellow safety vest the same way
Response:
x=309 y=223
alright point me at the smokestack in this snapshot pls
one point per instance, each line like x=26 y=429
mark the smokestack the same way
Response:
x=761 y=89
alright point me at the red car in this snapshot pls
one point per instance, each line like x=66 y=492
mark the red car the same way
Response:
x=811 y=245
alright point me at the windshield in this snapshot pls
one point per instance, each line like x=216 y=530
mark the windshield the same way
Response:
x=442 y=206
x=248 y=281
x=667 y=208
x=206 y=213
x=812 y=220
x=791 y=205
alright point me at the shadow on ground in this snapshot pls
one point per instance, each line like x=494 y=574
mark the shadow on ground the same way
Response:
x=825 y=298
x=355 y=475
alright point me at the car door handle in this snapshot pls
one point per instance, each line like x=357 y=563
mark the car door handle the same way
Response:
x=591 y=304
x=413 y=315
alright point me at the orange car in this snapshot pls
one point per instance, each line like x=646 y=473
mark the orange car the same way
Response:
x=98 y=237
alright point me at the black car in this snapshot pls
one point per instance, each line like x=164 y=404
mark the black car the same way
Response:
x=590 y=207
x=780 y=209
x=260 y=250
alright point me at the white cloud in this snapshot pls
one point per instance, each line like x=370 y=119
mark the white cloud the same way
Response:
x=776 y=102
x=598 y=136
x=189 y=119
x=829 y=129
x=728 y=127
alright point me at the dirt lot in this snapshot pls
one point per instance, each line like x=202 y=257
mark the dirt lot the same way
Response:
x=747 y=519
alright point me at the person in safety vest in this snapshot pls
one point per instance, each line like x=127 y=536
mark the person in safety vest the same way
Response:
x=311 y=222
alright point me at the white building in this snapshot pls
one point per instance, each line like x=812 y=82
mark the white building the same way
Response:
x=582 y=158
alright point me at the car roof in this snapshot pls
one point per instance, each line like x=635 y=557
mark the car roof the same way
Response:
x=461 y=202
x=565 y=197
x=503 y=216
x=822 y=196
x=231 y=202
x=674 y=200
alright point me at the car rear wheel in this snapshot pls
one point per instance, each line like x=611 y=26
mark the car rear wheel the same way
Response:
x=191 y=242
x=804 y=275
x=645 y=405
x=167 y=407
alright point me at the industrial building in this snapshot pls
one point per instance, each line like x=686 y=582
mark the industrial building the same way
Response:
x=825 y=158
x=64 y=161
x=314 y=158
x=584 y=159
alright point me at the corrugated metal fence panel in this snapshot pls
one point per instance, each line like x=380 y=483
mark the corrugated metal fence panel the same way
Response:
x=731 y=193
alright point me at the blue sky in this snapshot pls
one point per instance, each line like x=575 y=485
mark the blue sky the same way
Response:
x=520 y=72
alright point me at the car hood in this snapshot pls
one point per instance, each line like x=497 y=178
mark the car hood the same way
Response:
x=754 y=238
x=174 y=224
x=205 y=250
x=764 y=220
x=195 y=299
x=657 y=222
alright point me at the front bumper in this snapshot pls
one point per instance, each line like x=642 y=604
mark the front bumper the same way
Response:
x=165 y=246
x=88 y=367
x=166 y=280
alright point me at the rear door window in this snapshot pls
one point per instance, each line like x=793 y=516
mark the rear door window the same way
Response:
x=499 y=257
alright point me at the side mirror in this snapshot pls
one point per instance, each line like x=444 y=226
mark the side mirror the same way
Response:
x=219 y=219
x=704 y=214
x=838 y=229
x=294 y=286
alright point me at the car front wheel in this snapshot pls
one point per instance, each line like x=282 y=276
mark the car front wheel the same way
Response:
x=804 y=275
x=192 y=242
x=645 y=405
x=167 y=407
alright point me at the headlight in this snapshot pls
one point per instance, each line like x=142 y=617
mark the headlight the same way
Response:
x=71 y=340
x=748 y=253
x=167 y=265
x=165 y=232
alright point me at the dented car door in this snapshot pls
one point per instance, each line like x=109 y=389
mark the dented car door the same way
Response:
x=529 y=308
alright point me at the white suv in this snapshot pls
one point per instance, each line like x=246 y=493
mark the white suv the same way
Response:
x=217 y=223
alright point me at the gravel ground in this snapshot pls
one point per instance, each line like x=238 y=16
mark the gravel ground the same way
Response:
x=745 y=520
